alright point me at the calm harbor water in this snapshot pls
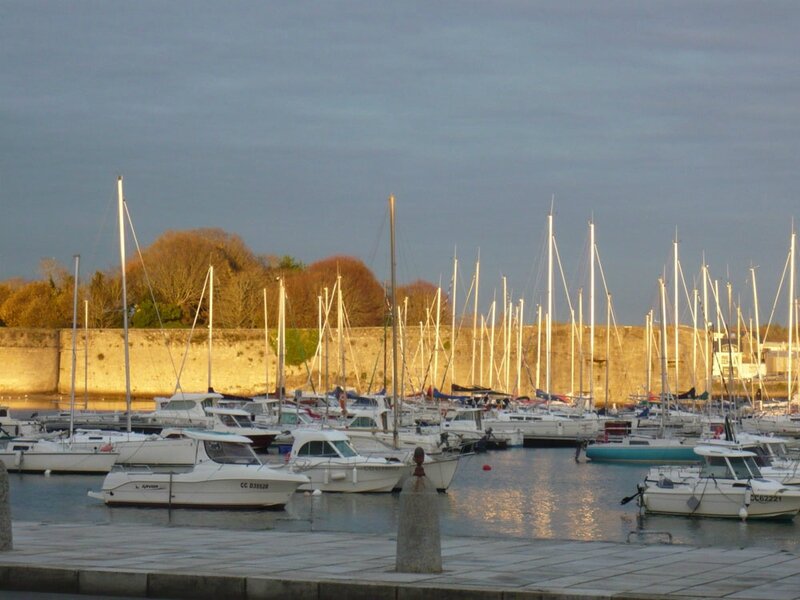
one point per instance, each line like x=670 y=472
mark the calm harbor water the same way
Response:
x=528 y=493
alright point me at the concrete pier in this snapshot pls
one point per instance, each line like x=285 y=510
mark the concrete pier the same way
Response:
x=183 y=562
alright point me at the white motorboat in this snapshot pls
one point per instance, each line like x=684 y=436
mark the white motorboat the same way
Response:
x=169 y=448
x=42 y=455
x=13 y=427
x=226 y=474
x=440 y=468
x=241 y=422
x=332 y=464
x=728 y=484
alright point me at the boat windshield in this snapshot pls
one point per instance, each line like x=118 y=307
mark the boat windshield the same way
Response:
x=230 y=453
x=731 y=468
x=345 y=448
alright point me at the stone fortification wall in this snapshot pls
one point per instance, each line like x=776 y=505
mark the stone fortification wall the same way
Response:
x=38 y=361
x=29 y=360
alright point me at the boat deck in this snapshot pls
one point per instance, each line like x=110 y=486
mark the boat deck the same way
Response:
x=183 y=562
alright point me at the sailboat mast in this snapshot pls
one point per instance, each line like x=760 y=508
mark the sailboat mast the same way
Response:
x=664 y=387
x=591 y=313
x=281 y=345
x=475 y=331
x=121 y=211
x=791 y=322
x=707 y=357
x=520 y=322
x=210 y=321
x=675 y=305
x=74 y=345
x=266 y=347
x=395 y=372
x=608 y=340
x=85 y=354
x=453 y=305
x=758 y=330
x=548 y=324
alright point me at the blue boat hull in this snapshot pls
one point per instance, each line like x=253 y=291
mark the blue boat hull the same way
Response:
x=609 y=452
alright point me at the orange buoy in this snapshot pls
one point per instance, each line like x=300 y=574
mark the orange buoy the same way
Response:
x=487 y=468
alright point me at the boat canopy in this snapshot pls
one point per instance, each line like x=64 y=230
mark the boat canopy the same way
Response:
x=216 y=436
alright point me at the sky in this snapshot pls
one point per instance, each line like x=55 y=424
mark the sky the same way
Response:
x=290 y=124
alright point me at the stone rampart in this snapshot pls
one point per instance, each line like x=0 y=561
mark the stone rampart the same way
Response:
x=40 y=361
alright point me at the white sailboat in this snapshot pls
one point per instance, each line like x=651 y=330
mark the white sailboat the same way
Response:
x=58 y=456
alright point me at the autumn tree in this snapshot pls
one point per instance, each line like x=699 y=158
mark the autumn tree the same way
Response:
x=104 y=296
x=363 y=297
x=422 y=303
x=177 y=265
x=45 y=303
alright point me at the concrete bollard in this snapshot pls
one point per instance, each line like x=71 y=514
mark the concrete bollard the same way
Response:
x=5 y=511
x=419 y=548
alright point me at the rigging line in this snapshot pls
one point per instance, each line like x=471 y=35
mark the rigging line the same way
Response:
x=150 y=289
x=777 y=295
x=377 y=241
x=191 y=331
x=563 y=278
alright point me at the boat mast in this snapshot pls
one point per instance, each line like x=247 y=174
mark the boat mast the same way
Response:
x=707 y=358
x=791 y=322
x=677 y=312
x=453 y=304
x=664 y=386
x=340 y=333
x=281 y=345
x=548 y=323
x=266 y=348
x=121 y=211
x=591 y=314
x=538 y=345
x=580 y=343
x=395 y=398
x=210 y=321
x=475 y=314
x=491 y=344
x=648 y=344
x=85 y=355
x=520 y=321
x=608 y=340
x=74 y=346
x=758 y=330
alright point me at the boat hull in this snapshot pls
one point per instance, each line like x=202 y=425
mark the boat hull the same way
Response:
x=200 y=488
x=609 y=452
x=701 y=498
x=58 y=462
x=351 y=478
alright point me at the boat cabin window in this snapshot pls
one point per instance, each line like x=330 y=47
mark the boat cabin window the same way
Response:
x=317 y=448
x=363 y=423
x=234 y=420
x=732 y=468
x=288 y=418
x=230 y=453
x=180 y=405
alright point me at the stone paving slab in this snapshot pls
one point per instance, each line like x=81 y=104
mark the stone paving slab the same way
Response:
x=181 y=562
